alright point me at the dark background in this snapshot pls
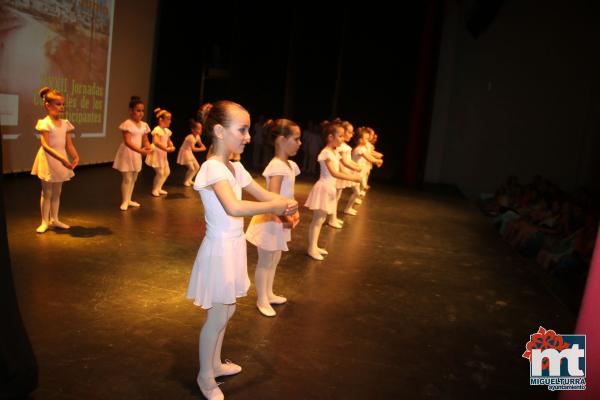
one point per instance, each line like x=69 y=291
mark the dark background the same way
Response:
x=288 y=61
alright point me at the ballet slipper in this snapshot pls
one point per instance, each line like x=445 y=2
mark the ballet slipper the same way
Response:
x=42 y=228
x=274 y=299
x=335 y=225
x=161 y=191
x=123 y=207
x=57 y=224
x=227 y=369
x=266 y=310
x=316 y=255
x=209 y=389
x=322 y=251
x=350 y=211
x=155 y=194
x=358 y=201
x=134 y=203
x=362 y=193
x=187 y=183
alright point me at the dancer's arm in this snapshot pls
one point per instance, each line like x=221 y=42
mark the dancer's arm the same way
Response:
x=340 y=175
x=196 y=149
x=50 y=150
x=72 y=151
x=349 y=163
x=127 y=140
x=372 y=159
x=244 y=208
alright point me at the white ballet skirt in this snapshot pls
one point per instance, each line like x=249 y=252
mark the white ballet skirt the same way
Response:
x=357 y=157
x=266 y=230
x=158 y=158
x=127 y=160
x=186 y=155
x=343 y=183
x=322 y=196
x=220 y=273
x=45 y=166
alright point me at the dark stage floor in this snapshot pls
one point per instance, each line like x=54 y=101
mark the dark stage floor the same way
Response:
x=418 y=299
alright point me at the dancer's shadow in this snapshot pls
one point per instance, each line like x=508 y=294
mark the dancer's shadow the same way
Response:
x=85 y=231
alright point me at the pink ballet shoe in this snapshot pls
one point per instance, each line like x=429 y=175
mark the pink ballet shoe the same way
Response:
x=156 y=194
x=188 y=183
x=134 y=203
x=209 y=389
x=358 y=201
x=58 y=224
x=163 y=191
x=266 y=310
x=350 y=211
x=227 y=369
x=336 y=224
x=322 y=251
x=42 y=228
x=274 y=299
x=316 y=255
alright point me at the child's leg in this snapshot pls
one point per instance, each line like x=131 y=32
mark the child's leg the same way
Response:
x=166 y=171
x=134 y=176
x=214 y=325
x=228 y=368
x=334 y=222
x=125 y=186
x=54 y=221
x=273 y=298
x=314 y=230
x=45 y=202
x=192 y=168
x=156 y=182
x=353 y=197
x=261 y=280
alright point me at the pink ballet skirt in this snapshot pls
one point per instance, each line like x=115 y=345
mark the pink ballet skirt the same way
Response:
x=158 y=158
x=186 y=155
x=322 y=196
x=266 y=230
x=127 y=160
x=45 y=166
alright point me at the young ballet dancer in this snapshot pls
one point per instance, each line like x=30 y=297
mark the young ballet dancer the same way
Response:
x=51 y=163
x=322 y=196
x=188 y=148
x=347 y=166
x=361 y=154
x=220 y=272
x=268 y=232
x=128 y=159
x=161 y=145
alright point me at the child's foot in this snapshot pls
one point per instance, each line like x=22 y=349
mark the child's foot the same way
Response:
x=266 y=309
x=227 y=369
x=163 y=191
x=57 y=224
x=155 y=193
x=315 y=254
x=335 y=224
x=274 y=299
x=123 y=206
x=362 y=193
x=350 y=211
x=358 y=201
x=187 y=183
x=209 y=388
x=322 y=251
x=42 y=228
x=134 y=203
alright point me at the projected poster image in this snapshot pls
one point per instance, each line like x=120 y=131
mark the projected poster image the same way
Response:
x=63 y=44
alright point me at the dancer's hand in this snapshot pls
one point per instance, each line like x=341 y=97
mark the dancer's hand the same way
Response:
x=283 y=206
x=75 y=163
x=66 y=163
x=145 y=151
x=170 y=149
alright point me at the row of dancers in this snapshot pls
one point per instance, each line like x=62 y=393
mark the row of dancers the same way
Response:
x=219 y=275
